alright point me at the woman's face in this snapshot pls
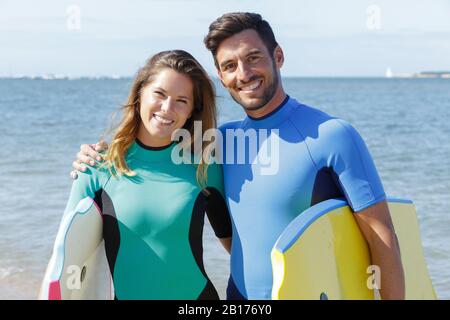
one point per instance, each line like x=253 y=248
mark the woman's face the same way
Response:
x=166 y=104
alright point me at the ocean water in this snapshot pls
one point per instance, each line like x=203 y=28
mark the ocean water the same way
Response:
x=405 y=123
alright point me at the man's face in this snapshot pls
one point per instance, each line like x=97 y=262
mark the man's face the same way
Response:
x=248 y=70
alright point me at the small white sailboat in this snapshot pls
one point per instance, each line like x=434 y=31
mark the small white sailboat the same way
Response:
x=388 y=73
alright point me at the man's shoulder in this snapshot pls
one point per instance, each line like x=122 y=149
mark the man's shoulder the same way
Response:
x=307 y=112
x=309 y=119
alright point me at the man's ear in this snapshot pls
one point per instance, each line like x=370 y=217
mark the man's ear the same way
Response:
x=278 y=57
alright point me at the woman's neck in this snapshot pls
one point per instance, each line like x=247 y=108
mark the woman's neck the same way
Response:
x=146 y=139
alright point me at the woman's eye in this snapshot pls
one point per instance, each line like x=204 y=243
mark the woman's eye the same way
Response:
x=183 y=101
x=159 y=93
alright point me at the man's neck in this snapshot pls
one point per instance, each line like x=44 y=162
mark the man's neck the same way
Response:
x=274 y=103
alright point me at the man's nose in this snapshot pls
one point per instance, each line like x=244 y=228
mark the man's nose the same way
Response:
x=244 y=72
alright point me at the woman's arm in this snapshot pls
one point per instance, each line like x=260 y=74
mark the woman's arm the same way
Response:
x=226 y=243
x=216 y=206
x=218 y=216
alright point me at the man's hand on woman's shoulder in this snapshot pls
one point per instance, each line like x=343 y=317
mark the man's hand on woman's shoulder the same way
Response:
x=89 y=154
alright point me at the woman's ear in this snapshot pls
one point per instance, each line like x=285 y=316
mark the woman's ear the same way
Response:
x=137 y=106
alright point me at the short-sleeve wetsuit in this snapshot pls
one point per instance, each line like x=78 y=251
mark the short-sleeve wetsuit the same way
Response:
x=153 y=223
x=319 y=157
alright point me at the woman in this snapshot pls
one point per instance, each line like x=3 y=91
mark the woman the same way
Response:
x=154 y=208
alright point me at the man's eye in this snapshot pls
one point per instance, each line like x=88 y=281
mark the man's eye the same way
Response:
x=253 y=59
x=228 y=67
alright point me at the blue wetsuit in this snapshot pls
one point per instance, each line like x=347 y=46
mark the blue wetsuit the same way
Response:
x=320 y=157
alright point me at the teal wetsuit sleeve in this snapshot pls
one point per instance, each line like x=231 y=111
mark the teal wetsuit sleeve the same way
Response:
x=86 y=185
x=343 y=150
x=216 y=207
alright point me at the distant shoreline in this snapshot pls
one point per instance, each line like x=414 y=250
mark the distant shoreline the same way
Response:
x=415 y=76
x=388 y=75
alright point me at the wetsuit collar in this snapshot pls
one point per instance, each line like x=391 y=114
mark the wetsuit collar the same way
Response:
x=140 y=151
x=142 y=145
x=273 y=118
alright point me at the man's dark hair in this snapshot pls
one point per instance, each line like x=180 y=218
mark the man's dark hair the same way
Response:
x=232 y=23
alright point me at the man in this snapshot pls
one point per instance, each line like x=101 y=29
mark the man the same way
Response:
x=320 y=157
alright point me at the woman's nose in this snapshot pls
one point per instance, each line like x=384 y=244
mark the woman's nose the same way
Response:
x=167 y=105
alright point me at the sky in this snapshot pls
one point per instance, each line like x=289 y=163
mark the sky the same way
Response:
x=318 y=37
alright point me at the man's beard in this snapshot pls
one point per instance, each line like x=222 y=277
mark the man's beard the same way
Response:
x=268 y=94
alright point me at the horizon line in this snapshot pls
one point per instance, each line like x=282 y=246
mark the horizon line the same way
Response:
x=125 y=77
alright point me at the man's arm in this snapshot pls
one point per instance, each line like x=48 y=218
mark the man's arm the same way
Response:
x=376 y=225
x=87 y=154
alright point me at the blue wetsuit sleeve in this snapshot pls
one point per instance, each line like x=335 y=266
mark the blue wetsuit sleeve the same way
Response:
x=348 y=156
x=86 y=185
x=216 y=207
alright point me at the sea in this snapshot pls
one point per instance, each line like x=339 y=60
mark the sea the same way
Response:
x=404 y=122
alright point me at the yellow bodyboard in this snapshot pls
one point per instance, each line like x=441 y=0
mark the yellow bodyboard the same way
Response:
x=322 y=254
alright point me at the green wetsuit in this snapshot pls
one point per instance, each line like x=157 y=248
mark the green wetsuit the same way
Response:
x=153 y=223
